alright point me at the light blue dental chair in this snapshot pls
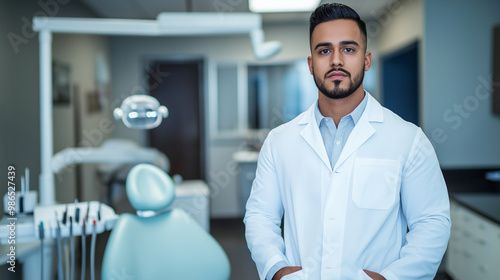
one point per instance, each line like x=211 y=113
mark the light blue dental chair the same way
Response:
x=169 y=245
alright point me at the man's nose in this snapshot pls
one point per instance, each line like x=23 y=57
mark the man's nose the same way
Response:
x=336 y=58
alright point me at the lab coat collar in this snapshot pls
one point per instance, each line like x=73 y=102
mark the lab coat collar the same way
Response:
x=362 y=131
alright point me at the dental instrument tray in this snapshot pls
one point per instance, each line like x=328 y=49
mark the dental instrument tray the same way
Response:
x=59 y=215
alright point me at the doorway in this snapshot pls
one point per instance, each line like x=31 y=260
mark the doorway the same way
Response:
x=400 y=82
x=179 y=86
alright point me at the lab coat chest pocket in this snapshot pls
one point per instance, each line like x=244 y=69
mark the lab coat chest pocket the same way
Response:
x=375 y=182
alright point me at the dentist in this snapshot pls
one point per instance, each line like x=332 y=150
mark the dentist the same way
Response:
x=359 y=189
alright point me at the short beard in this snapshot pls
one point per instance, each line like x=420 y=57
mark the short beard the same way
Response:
x=337 y=92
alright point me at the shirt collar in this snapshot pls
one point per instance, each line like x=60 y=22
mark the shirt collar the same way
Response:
x=355 y=114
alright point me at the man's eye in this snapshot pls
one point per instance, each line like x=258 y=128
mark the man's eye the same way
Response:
x=349 y=50
x=325 y=51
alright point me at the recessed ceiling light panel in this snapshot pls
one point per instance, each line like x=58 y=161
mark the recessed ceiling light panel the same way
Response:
x=280 y=6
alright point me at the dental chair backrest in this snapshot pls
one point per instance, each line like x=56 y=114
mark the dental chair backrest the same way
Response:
x=169 y=245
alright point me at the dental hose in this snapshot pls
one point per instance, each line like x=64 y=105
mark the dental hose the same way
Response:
x=72 y=248
x=83 y=249
x=92 y=252
x=41 y=233
x=59 y=254
x=65 y=245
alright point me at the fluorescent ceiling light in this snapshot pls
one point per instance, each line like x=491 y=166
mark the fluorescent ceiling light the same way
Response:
x=279 y=6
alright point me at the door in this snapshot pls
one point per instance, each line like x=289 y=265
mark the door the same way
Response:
x=400 y=82
x=180 y=136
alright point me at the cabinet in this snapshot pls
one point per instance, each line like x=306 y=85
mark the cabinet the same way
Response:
x=474 y=247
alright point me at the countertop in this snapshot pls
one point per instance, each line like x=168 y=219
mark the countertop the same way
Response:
x=484 y=204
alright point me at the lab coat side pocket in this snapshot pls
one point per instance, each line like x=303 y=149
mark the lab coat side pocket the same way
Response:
x=375 y=182
x=363 y=276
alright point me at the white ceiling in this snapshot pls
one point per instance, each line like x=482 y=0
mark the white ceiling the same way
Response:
x=149 y=9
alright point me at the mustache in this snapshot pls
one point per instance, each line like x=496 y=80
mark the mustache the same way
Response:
x=337 y=69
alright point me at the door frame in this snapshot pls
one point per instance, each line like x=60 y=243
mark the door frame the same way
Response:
x=149 y=59
x=397 y=52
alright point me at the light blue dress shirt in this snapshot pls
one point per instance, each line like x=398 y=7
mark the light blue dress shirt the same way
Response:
x=334 y=139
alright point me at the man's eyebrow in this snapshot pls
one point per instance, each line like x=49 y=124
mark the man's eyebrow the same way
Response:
x=323 y=45
x=342 y=43
x=349 y=43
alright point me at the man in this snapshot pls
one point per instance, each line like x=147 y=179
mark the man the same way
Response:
x=360 y=190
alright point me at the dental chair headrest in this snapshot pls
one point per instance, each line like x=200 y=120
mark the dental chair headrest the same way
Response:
x=149 y=188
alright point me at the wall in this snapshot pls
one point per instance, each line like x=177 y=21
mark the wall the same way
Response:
x=394 y=27
x=80 y=52
x=397 y=25
x=19 y=86
x=456 y=54
x=457 y=82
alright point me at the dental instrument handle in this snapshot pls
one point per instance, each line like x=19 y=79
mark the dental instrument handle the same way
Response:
x=88 y=209
x=21 y=197
x=27 y=178
x=99 y=212
x=21 y=204
x=77 y=212
x=23 y=186
x=65 y=215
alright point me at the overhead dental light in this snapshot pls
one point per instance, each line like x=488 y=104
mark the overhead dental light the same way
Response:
x=279 y=6
x=141 y=112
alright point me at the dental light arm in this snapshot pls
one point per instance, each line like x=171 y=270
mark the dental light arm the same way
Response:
x=72 y=156
x=168 y=24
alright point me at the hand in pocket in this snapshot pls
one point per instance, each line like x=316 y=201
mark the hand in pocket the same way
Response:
x=374 y=275
x=285 y=271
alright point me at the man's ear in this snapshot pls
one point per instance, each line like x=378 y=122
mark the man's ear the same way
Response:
x=368 y=60
x=310 y=63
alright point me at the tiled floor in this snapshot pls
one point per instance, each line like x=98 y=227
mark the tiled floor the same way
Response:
x=231 y=236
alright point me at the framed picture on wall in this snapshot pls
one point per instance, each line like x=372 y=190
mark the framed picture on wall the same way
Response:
x=61 y=80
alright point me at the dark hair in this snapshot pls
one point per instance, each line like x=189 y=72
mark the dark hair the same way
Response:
x=333 y=11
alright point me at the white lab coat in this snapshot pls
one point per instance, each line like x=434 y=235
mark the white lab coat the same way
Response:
x=337 y=223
